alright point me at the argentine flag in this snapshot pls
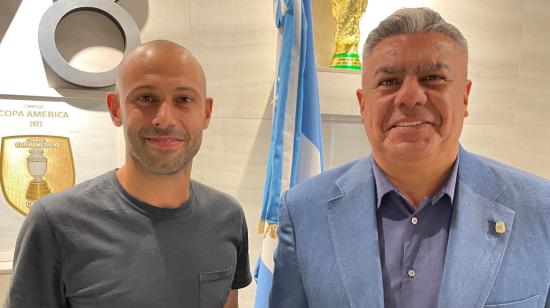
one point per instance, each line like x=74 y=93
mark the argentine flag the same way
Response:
x=296 y=145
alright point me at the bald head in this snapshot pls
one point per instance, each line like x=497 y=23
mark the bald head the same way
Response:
x=159 y=55
x=161 y=103
x=159 y=69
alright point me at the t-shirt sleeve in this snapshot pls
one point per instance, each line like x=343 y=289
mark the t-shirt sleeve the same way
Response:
x=36 y=279
x=242 y=273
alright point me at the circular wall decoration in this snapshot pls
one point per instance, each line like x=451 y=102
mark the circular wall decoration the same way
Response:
x=50 y=53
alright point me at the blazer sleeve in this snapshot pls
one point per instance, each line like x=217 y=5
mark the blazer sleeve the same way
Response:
x=288 y=289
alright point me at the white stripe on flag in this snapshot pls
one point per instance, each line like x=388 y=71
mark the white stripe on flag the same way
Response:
x=268 y=251
x=310 y=160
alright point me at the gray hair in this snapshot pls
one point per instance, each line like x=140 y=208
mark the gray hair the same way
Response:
x=413 y=20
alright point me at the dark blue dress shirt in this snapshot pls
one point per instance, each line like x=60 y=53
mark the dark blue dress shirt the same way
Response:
x=412 y=242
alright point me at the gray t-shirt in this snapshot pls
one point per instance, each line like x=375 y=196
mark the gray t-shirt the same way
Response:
x=96 y=246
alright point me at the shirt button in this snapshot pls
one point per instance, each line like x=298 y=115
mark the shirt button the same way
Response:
x=414 y=220
x=411 y=273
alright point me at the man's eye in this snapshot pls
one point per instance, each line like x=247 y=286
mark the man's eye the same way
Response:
x=145 y=98
x=388 y=82
x=184 y=100
x=433 y=77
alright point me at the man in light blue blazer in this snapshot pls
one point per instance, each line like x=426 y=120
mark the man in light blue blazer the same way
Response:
x=421 y=222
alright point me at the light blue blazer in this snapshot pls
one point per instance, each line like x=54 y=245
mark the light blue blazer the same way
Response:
x=328 y=254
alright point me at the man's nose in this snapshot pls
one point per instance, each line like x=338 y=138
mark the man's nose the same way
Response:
x=165 y=114
x=411 y=93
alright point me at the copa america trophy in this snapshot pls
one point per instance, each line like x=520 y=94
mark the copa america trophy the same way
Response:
x=37 y=164
x=347 y=14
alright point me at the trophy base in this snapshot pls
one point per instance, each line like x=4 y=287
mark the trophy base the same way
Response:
x=348 y=61
x=37 y=189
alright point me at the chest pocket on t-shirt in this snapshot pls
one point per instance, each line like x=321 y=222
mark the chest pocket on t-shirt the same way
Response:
x=214 y=288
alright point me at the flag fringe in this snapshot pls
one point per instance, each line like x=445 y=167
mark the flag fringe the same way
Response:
x=267 y=229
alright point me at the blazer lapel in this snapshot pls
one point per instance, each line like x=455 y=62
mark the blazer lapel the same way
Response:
x=354 y=235
x=474 y=249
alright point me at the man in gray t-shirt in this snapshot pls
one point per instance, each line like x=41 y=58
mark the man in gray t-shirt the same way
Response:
x=144 y=235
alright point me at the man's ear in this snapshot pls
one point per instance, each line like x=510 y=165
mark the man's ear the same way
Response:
x=207 y=111
x=467 y=89
x=113 y=104
x=361 y=101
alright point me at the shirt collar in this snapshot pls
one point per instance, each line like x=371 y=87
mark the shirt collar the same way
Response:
x=384 y=186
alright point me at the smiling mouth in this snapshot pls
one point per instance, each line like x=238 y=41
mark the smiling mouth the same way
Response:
x=408 y=124
x=164 y=142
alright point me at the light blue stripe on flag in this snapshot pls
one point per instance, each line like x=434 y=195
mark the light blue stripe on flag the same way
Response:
x=296 y=143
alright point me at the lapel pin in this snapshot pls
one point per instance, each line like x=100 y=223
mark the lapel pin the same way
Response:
x=500 y=227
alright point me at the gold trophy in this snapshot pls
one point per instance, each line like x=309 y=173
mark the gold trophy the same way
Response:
x=347 y=14
x=37 y=164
